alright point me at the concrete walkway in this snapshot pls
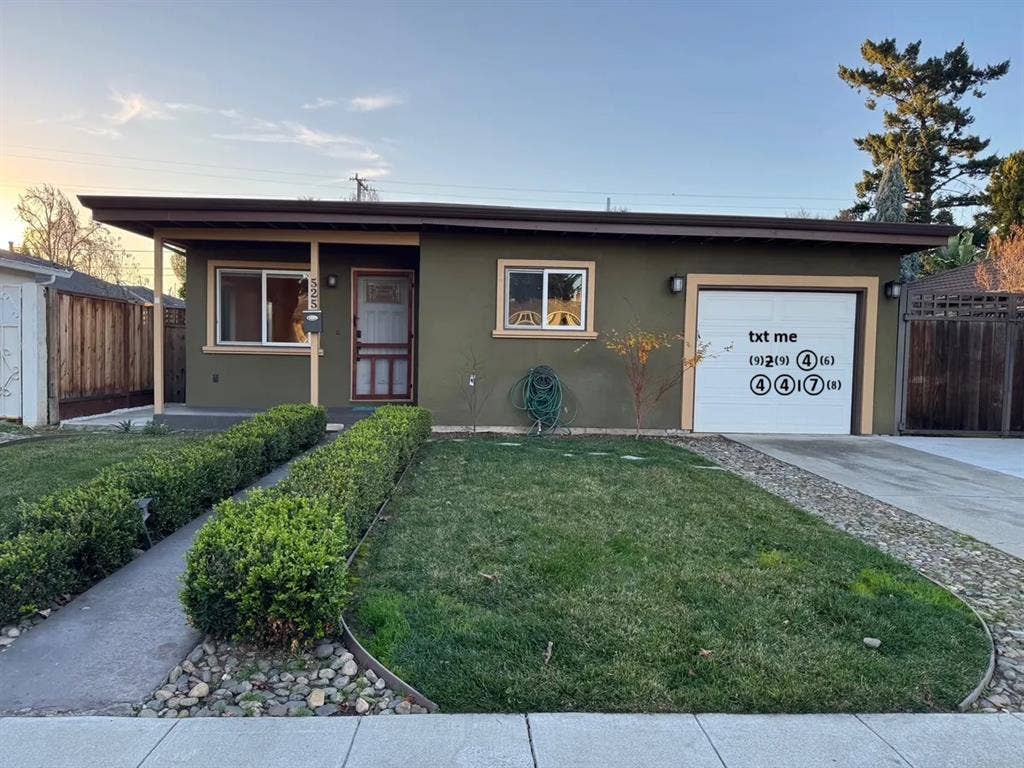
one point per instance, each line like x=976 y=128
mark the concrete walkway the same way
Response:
x=114 y=644
x=520 y=741
x=982 y=503
x=1000 y=454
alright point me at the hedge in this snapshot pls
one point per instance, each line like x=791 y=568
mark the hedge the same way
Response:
x=271 y=569
x=68 y=540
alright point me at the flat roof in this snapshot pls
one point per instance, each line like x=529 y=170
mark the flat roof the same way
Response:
x=144 y=215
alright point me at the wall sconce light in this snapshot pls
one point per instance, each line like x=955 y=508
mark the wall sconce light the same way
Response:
x=676 y=283
x=893 y=289
x=332 y=281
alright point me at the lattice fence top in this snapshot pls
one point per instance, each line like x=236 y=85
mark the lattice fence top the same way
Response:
x=966 y=306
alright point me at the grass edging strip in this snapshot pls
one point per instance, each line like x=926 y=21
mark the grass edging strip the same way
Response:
x=986 y=677
x=363 y=656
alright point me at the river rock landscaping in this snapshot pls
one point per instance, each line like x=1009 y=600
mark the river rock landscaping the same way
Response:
x=225 y=679
x=991 y=580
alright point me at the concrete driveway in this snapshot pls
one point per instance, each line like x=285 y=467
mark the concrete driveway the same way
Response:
x=981 y=495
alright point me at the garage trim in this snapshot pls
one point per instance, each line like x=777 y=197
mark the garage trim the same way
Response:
x=867 y=327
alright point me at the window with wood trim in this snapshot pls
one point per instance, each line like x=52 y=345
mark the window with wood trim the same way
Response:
x=261 y=307
x=545 y=299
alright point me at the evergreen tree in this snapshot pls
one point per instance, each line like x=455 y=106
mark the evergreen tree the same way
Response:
x=891 y=195
x=927 y=128
x=1005 y=196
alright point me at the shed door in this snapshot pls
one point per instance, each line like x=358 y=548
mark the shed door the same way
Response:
x=382 y=365
x=790 y=366
x=10 y=351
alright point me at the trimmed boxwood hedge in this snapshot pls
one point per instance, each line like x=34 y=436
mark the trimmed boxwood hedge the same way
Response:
x=271 y=569
x=68 y=540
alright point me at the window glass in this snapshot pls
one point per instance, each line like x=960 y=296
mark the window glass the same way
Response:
x=240 y=315
x=525 y=307
x=287 y=299
x=565 y=299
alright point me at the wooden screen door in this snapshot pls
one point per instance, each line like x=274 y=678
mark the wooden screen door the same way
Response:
x=382 y=302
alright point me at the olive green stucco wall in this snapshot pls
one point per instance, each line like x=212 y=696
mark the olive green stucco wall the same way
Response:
x=456 y=312
x=255 y=381
x=458 y=275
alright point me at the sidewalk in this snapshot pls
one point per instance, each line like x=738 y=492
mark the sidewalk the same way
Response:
x=111 y=646
x=520 y=741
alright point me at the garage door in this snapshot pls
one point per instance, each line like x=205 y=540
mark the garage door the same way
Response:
x=782 y=362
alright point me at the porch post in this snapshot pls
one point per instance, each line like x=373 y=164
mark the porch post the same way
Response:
x=158 y=324
x=314 y=338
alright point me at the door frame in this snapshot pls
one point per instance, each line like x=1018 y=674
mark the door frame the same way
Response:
x=356 y=273
x=866 y=329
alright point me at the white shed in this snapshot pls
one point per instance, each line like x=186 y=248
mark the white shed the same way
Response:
x=23 y=352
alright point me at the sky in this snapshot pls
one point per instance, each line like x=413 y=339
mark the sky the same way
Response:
x=719 y=107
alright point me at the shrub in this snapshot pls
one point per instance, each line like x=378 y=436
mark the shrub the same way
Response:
x=70 y=539
x=268 y=569
x=272 y=567
x=33 y=571
x=354 y=474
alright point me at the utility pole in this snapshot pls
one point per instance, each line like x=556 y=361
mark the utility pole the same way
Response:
x=360 y=186
x=608 y=204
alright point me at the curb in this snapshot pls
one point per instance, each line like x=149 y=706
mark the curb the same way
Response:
x=363 y=656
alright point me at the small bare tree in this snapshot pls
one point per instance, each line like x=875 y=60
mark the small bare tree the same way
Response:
x=55 y=231
x=635 y=347
x=474 y=386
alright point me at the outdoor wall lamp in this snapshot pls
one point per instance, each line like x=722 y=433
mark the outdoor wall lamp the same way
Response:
x=893 y=289
x=676 y=283
x=332 y=281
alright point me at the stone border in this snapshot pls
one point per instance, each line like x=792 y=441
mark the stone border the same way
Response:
x=364 y=657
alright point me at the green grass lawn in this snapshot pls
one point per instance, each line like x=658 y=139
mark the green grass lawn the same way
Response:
x=661 y=586
x=34 y=468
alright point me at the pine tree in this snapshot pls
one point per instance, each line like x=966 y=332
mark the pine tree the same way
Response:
x=927 y=128
x=891 y=195
x=1005 y=196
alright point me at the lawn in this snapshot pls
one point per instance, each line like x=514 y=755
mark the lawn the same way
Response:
x=34 y=468
x=660 y=585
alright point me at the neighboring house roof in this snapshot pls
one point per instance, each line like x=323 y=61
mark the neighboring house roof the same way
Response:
x=146 y=296
x=73 y=281
x=959 y=280
x=21 y=263
x=145 y=215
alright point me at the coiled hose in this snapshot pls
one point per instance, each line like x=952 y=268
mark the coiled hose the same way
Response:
x=544 y=398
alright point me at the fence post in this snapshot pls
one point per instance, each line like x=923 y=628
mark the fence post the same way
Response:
x=902 y=362
x=1013 y=323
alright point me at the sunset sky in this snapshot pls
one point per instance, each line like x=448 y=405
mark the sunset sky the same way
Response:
x=702 y=107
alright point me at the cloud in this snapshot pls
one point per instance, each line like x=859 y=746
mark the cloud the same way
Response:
x=67 y=117
x=135 y=106
x=372 y=103
x=107 y=133
x=320 y=103
x=292 y=132
x=375 y=172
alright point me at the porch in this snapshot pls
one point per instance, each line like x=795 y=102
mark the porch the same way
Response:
x=179 y=416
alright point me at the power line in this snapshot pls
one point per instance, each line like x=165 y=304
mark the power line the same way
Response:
x=387 y=182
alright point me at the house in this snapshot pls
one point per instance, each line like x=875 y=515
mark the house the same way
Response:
x=795 y=313
x=958 y=281
x=24 y=282
x=93 y=340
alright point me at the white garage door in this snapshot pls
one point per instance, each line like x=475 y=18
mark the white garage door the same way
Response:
x=790 y=366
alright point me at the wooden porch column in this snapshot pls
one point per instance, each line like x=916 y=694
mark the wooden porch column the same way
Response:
x=158 y=325
x=314 y=338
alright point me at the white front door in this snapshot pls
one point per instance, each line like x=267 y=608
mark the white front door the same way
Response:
x=789 y=365
x=382 y=308
x=10 y=352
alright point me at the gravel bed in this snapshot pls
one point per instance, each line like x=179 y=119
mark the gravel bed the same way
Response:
x=990 y=580
x=223 y=679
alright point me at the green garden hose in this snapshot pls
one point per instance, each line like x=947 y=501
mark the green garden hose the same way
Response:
x=544 y=398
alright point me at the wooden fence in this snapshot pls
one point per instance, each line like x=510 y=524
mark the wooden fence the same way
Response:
x=961 y=364
x=101 y=354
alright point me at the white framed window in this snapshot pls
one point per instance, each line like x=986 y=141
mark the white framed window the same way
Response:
x=546 y=299
x=261 y=307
